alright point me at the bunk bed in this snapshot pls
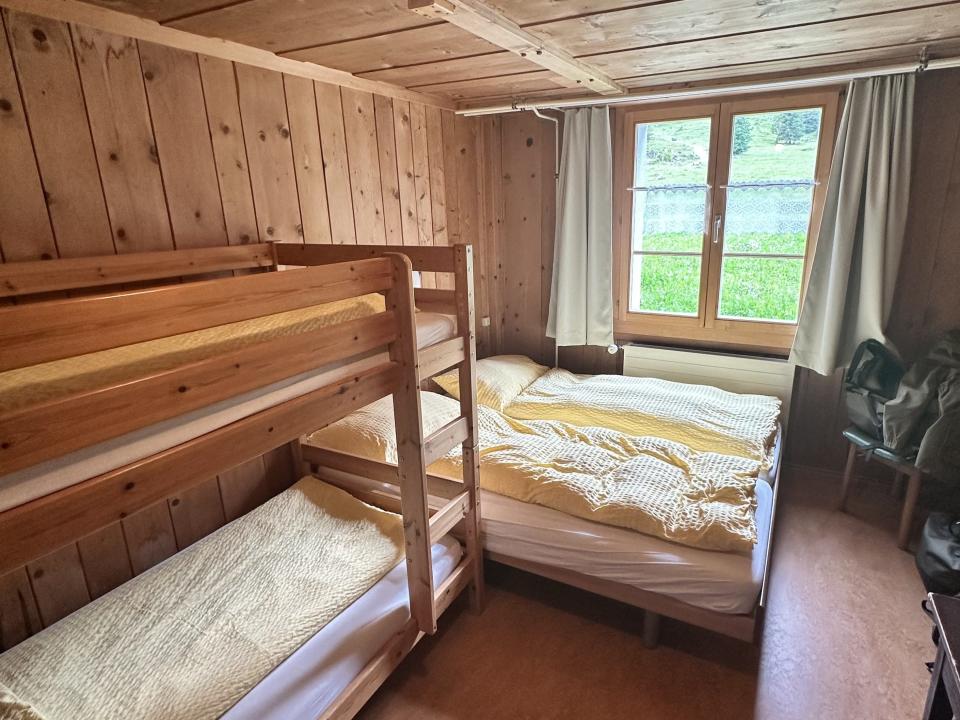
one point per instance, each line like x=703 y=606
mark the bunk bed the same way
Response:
x=266 y=391
x=718 y=590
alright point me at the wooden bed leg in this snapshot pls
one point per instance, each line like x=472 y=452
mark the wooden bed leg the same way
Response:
x=847 y=477
x=909 y=504
x=464 y=291
x=651 y=629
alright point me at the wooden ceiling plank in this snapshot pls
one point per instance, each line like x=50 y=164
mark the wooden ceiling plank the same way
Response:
x=482 y=66
x=282 y=25
x=415 y=46
x=485 y=22
x=159 y=10
x=916 y=25
x=791 y=67
x=527 y=12
x=81 y=13
x=502 y=86
x=684 y=20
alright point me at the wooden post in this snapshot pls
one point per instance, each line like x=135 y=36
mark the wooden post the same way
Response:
x=411 y=469
x=463 y=255
x=847 y=477
x=909 y=505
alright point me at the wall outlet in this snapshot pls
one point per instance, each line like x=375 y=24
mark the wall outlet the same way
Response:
x=485 y=321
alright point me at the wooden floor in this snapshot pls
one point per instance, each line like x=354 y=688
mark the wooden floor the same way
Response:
x=845 y=638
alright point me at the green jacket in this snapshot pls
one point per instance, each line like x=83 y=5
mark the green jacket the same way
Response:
x=926 y=410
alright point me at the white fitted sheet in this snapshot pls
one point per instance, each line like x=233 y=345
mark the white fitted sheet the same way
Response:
x=720 y=581
x=307 y=682
x=38 y=480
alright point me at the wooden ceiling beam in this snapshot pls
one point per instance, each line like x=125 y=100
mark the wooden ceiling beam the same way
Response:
x=480 y=19
x=118 y=23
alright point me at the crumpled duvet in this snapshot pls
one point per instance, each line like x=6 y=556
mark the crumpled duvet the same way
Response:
x=651 y=485
x=705 y=419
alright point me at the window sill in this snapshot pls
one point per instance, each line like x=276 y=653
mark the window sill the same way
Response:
x=773 y=341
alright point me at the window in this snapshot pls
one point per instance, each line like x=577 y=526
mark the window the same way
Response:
x=720 y=206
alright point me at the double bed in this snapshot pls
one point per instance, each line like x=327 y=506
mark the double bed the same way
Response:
x=720 y=590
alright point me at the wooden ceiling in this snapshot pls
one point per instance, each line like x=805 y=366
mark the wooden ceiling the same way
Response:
x=640 y=44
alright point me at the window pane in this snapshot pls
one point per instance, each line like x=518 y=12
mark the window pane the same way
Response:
x=759 y=288
x=674 y=152
x=665 y=283
x=772 y=219
x=775 y=145
x=669 y=219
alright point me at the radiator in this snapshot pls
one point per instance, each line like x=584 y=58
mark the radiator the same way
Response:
x=735 y=373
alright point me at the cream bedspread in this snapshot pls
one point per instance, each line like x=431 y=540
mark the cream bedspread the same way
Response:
x=189 y=637
x=705 y=419
x=647 y=484
x=58 y=378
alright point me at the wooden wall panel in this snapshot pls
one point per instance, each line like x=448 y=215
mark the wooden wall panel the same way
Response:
x=389 y=180
x=59 y=584
x=47 y=71
x=184 y=148
x=336 y=167
x=266 y=134
x=307 y=159
x=363 y=157
x=25 y=232
x=106 y=562
x=19 y=617
x=141 y=146
x=229 y=151
x=526 y=141
x=123 y=138
x=196 y=512
x=406 y=173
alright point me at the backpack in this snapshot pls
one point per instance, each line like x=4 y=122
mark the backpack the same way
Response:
x=871 y=380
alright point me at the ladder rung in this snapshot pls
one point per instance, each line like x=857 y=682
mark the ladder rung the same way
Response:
x=444 y=440
x=442 y=521
x=435 y=359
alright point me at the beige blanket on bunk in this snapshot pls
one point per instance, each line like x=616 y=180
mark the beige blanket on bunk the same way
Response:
x=647 y=484
x=189 y=637
x=705 y=419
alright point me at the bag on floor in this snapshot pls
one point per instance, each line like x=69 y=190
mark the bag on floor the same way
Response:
x=871 y=380
x=938 y=558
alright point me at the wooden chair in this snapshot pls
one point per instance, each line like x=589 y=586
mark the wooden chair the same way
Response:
x=863 y=444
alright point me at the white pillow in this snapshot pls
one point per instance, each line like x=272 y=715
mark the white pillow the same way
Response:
x=499 y=379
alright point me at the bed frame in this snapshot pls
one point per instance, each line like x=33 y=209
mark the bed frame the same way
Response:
x=45 y=325
x=362 y=476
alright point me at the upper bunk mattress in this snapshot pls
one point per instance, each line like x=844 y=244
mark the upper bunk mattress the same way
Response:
x=74 y=374
x=192 y=635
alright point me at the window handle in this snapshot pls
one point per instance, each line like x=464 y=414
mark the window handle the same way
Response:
x=717 y=220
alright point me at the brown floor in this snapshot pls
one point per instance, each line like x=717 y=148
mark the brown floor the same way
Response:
x=844 y=638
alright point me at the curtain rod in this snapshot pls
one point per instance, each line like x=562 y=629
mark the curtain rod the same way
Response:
x=655 y=95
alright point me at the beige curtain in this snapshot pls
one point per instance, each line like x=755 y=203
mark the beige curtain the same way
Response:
x=581 y=303
x=861 y=236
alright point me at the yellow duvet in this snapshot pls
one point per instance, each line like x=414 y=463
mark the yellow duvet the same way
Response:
x=647 y=484
x=705 y=419
x=56 y=379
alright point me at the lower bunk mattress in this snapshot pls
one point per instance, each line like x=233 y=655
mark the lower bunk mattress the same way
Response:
x=273 y=615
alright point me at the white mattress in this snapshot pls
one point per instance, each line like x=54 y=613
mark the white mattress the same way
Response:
x=48 y=477
x=723 y=582
x=307 y=682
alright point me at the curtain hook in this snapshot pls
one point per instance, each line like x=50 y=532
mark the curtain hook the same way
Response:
x=924 y=60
